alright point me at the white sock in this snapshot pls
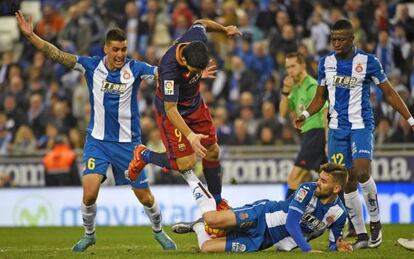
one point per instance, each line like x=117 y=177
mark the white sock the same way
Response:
x=88 y=217
x=369 y=190
x=205 y=201
x=354 y=205
x=154 y=215
x=202 y=235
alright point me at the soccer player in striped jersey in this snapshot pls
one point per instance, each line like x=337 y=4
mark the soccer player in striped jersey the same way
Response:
x=113 y=130
x=344 y=78
x=305 y=215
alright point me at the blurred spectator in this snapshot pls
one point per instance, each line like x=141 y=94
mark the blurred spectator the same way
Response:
x=9 y=7
x=50 y=24
x=80 y=98
x=24 y=142
x=76 y=139
x=220 y=120
x=403 y=133
x=385 y=51
x=62 y=117
x=48 y=139
x=269 y=120
x=320 y=34
x=135 y=28
x=6 y=61
x=404 y=19
x=240 y=135
x=263 y=64
x=266 y=137
x=60 y=164
x=36 y=115
x=6 y=137
x=15 y=116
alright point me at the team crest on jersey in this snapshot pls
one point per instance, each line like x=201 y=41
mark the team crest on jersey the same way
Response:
x=300 y=196
x=359 y=68
x=243 y=215
x=169 y=87
x=126 y=75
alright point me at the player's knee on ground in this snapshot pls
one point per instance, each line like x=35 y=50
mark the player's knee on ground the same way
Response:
x=186 y=163
x=213 y=219
x=144 y=196
x=213 y=152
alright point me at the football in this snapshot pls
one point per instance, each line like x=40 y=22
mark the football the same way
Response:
x=214 y=232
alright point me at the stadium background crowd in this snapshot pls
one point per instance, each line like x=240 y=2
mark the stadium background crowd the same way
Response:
x=41 y=100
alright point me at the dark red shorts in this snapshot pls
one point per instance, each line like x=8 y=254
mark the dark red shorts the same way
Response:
x=176 y=144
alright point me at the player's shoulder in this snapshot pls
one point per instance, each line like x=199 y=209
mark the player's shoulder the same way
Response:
x=305 y=190
x=309 y=186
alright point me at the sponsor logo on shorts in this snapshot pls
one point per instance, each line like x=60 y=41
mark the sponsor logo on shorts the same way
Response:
x=246 y=224
x=301 y=195
x=237 y=247
x=364 y=151
x=169 y=87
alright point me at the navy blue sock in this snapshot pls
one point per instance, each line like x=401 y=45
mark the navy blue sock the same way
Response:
x=159 y=159
x=212 y=173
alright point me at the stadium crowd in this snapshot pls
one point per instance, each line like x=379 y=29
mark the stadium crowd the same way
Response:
x=40 y=100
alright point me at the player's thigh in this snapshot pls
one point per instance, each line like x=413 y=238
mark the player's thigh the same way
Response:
x=339 y=148
x=214 y=245
x=362 y=140
x=144 y=196
x=312 y=150
x=201 y=122
x=222 y=219
x=121 y=155
x=213 y=152
x=176 y=144
x=95 y=158
x=187 y=162
x=297 y=176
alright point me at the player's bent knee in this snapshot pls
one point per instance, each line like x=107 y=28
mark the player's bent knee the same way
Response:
x=206 y=247
x=212 y=219
x=89 y=199
x=213 y=152
x=186 y=163
x=145 y=197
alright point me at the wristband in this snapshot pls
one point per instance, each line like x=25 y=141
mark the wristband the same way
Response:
x=411 y=121
x=306 y=114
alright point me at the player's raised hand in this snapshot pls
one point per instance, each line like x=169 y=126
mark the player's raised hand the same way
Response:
x=25 y=26
x=343 y=246
x=299 y=121
x=195 y=141
x=232 y=31
x=210 y=71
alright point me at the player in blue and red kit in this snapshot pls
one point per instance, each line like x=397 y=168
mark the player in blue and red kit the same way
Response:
x=113 y=129
x=344 y=78
x=182 y=116
x=314 y=208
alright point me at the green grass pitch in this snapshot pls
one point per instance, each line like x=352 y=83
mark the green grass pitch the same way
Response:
x=137 y=242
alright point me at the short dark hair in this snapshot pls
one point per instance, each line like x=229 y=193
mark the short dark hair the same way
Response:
x=300 y=58
x=196 y=54
x=340 y=173
x=343 y=24
x=115 y=34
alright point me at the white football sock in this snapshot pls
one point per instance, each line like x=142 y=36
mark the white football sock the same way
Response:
x=88 y=217
x=354 y=205
x=369 y=190
x=205 y=201
x=202 y=235
x=154 y=215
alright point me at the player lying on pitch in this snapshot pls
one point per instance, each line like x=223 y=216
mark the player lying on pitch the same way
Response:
x=313 y=208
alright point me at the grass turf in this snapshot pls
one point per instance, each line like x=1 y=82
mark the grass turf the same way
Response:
x=127 y=242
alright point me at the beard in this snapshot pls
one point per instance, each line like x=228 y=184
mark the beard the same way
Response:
x=321 y=195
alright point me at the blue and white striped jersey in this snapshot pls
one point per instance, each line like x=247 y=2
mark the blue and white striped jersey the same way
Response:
x=348 y=83
x=113 y=98
x=316 y=217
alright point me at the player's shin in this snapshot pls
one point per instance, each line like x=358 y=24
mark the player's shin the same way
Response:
x=354 y=205
x=154 y=215
x=202 y=235
x=88 y=216
x=202 y=196
x=369 y=190
x=212 y=173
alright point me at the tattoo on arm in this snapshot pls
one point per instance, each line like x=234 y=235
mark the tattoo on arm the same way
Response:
x=57 y=55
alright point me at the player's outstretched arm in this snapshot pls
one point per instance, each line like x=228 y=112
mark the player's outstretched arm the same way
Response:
x=316 y=104
x=212 y=26
x=394 y=99
x=47 y=48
